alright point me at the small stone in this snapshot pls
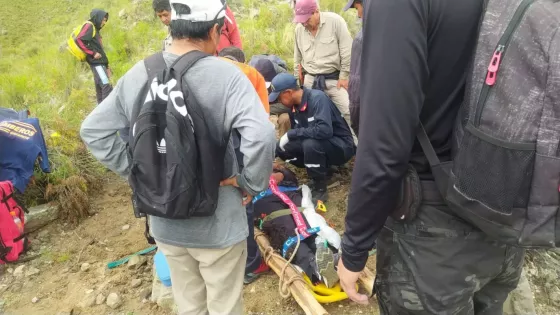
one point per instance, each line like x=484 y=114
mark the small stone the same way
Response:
x=126 y=227
x=34 y=300
x=253 y=290
x=65 y=270
x=136 y=283
x=555 y=297
x=100 y=299
x=88 y=301
x=43 y=234
x=31 y=271
x=89 y=291
x=340 y=306
x=18 y=272
x=122 y=13
x=136 y=261
x=85 y=267
x=114 y=300
x=10 y=270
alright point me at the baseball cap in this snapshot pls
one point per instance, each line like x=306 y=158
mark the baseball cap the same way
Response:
x=281 y=83
x=349 y=5
x=201 y=11
x=266 y=68
x=304 y=9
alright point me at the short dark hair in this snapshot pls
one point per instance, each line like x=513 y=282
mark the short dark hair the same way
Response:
x=161 y=5
x=182 y=29
x=233 y=52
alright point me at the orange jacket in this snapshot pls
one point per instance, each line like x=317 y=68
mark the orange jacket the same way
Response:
x=257 y=80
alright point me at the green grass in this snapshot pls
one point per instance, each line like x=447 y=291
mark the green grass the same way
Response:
x=36 y=71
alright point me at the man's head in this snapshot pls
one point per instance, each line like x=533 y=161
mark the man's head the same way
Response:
x=285 y=90
x=98 y=17
x=162 y=10
x=355 y=4
x=307 y=13
x=233 y=53
x=266 y=68
x=198 y=22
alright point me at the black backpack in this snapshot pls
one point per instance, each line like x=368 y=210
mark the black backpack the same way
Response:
x=176 y=166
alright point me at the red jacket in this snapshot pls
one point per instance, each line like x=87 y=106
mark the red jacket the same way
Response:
x=230 y=33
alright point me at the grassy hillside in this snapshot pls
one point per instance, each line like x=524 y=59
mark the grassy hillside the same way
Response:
x=36 y=71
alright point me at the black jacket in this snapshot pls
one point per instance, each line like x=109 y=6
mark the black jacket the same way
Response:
x=318 y=118
x=90 y=44
x=414 y=65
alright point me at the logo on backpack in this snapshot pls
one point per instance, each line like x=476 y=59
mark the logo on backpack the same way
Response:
x=161 y=146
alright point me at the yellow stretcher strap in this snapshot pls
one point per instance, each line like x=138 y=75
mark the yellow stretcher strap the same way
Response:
x=325 y=295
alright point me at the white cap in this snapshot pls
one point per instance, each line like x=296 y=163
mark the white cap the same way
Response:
x=201 y=10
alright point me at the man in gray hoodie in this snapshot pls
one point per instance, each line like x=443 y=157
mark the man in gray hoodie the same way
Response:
x=206 y=255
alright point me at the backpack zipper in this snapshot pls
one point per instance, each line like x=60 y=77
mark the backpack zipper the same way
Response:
x=497 y=57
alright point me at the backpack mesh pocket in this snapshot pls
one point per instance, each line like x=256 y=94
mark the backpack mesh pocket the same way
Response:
x=494 y=172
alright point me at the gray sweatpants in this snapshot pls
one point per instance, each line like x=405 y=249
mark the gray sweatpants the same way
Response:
x=439 y=264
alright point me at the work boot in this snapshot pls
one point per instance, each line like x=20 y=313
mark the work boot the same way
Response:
x=319 y=191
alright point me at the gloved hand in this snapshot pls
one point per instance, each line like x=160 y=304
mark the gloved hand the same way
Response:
x=283 y=141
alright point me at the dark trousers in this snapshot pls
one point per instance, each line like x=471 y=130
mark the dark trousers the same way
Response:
x=317 y=155
x=253 y=253
x=439 y=264
x=103 y=86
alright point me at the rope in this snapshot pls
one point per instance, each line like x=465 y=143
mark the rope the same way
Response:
x=283 y=286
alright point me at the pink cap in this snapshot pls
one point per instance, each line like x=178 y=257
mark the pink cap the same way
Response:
x=304 y=9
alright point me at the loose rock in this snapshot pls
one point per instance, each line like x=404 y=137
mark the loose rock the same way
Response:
x=136 y=283
x=31 y=271
x=34 y=300
x=114 y=300
x=100 y=299
x=555 y=297
x=18 y=272
x=136 y=261
x=126 y=227
x=85 y=267
x=87 y=301
x=10 y=270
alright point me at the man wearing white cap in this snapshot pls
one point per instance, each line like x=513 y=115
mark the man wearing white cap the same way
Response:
x=206 y=255
x=322 y=52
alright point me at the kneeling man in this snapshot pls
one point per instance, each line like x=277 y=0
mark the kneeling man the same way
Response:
x=319 y=138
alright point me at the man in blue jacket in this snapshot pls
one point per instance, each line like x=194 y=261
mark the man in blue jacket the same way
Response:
x=320 y=136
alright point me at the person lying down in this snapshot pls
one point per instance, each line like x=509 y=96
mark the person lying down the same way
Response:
x=317 y=255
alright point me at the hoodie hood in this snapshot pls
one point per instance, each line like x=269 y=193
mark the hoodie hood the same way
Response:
x=97 y=16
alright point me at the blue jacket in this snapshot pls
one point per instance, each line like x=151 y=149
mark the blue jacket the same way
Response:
x=318 y=118
x=22 y=143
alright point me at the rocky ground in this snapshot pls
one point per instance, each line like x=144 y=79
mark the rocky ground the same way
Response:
x=67 y=268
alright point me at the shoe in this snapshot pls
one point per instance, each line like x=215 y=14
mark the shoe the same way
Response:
x=252 y=276
x=326 y=263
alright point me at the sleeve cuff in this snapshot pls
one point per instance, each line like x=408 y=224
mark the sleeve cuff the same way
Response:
x=354 y=262
x=344 y=75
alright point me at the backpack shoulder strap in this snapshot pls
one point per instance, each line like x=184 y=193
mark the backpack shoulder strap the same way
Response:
x=186 y=61
x=155 y=65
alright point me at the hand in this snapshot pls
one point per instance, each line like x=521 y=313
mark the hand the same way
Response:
x=247 y=198
x=278 y=177
x=283 y=141
x=109 y=73
x=348 y=280
x=97 y=56
x=342 y=83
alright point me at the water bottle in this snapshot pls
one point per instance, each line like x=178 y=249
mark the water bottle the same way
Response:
x=17 y=221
